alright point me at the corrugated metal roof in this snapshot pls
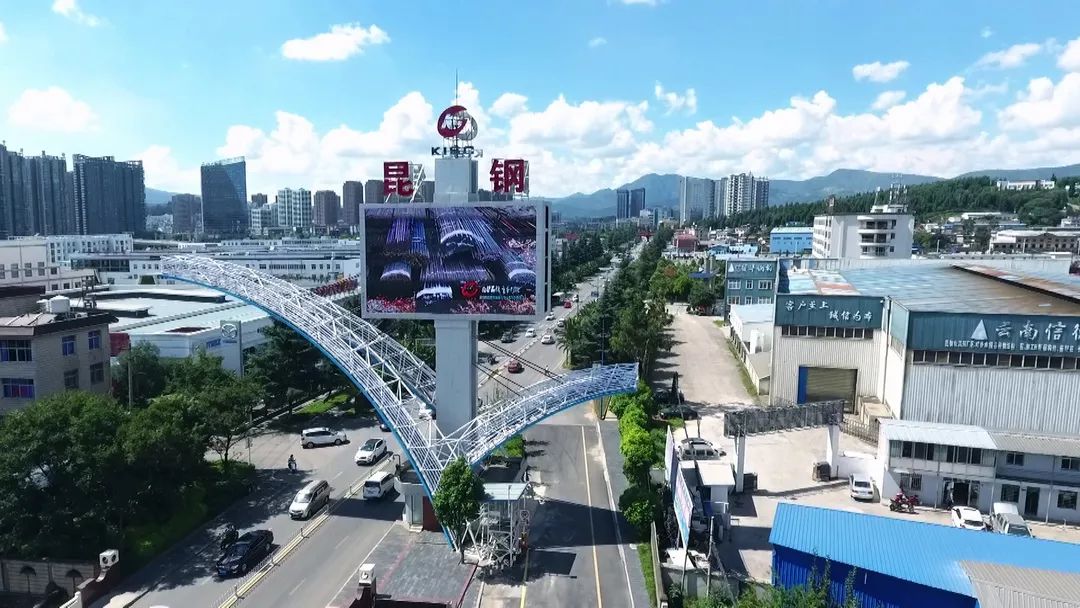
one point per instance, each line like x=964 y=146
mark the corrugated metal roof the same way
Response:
x=792 y=230
x=1037 y=444
x=960 y=435
x=922 y=553
x=505 y=491
x=1000 y=586
x=1066 y=286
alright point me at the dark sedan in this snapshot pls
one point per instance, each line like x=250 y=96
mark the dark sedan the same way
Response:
x=678 y=411
x=246 y=553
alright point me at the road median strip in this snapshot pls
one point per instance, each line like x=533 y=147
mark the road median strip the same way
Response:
x=283 y=552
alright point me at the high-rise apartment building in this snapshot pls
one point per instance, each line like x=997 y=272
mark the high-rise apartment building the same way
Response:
x=258 y=200
x=224 y=197
x=697 y=199
x=373 y=191
x=187 y=214
x=293 y=208
x=34 y=195
x=110 y=195
x=352 y=196
x=637 y=202
x=744 y=192
x=263 y=218
x=622 y=204
x=327 y=205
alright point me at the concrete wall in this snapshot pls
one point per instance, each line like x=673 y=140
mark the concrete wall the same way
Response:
x=44 y=572
x=893 y=393
x=790 y=352
x=1038 y=401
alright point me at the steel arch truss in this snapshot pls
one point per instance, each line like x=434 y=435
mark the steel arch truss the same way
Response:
x=397 y=383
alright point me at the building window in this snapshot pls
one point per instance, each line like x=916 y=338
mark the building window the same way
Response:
x=906 y=449
x=910 y=482
x=733 y=284
x=1066 y=500
x=71 y=379
x=216 y=342
x=97 y=373
x=67 y=345
x=95 y=339
x=16 y=350
x=1014 y=459
x=18 y=388
x=1010 y=493
x=764 y=284
x=1070 y=464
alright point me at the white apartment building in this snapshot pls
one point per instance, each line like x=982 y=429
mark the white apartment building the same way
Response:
x=262 y=218
x=744 y=192
x=40 y=262
x=293 y=208
x=887 y=231
x=60 y=248
x=697 y=199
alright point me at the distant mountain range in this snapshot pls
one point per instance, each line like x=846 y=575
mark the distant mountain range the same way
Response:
x=663 y=190
x=157 y=197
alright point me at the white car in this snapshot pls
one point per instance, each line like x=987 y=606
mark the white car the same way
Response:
x=530 y=333
x=370 y=453
x=560 y=323
x=547 y=339
x=861 y=487
x=968 y=518
x=321 y=435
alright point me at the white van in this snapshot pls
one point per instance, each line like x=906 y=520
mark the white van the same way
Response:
x=1006 y=519
x=310 y=499
x=378 y=484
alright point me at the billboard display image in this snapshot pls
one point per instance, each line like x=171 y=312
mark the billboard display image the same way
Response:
x=439 y=260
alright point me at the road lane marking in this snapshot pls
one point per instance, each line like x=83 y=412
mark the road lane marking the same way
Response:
x=294 y=589
x=336 y=476
x=614 y=515
x=525 y=579
x=592 y=531
x=349 y=578
x=341 y=542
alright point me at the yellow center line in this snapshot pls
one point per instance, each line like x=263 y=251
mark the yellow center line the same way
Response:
x=525 y=579
x=592 y=531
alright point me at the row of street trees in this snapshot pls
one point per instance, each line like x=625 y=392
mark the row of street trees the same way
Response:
x=81 y=472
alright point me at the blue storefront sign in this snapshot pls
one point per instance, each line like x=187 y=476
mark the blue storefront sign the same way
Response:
x=1004 y=334
x=829 y=311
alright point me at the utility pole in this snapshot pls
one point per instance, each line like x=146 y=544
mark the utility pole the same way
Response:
x=708 y=577
x=131 y=383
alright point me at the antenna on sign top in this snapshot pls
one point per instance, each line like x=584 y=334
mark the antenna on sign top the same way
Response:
x=456 y=83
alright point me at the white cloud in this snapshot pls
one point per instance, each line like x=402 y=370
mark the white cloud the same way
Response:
x=509 y=104
x=340 y=43
x=1069 y=59
x=51 y=109
x=71 y=10
x=986 y=32
x=598 y=41
x=888 y=99
x=1045 y=105
x=642 y=2
x=675 y=102
x=163 y=171
x=3 y=34
x=879 y=72
x=1012 y=57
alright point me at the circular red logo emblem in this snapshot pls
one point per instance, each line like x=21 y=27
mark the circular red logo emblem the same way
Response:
x=470 y=289
x=452 y=121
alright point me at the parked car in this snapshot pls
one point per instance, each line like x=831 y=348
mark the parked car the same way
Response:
x=514 y=366
x=372 y=450
x=550 y=317
x=595 y=293
x=968 y=518
x=860 y=487
x=560 y=323
x=699 y=451
x=310 y=499
x=1005 y=519
x=508 y=337
x=567 y=304
x=246 y=553
x=321 y=435
x=678 y=411
x=378 y=484
x=485 y=358
x=530 y=333
x=547 y=339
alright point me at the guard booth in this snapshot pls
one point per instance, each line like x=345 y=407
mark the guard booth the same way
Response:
x=501 y=532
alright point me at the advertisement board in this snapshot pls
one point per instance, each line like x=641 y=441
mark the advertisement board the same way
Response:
x=471 y=261
x=829 y=311
x=994 y=333
x=684 y=506
x=670 y=462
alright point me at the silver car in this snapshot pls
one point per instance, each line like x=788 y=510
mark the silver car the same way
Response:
x=321 y=435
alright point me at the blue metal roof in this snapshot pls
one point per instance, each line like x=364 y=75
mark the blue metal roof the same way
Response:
x=926 y=554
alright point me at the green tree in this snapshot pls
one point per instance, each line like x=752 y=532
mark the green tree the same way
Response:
x=638 y=453
x=226 y=410
x=457 y=500
x=701 y=295
x=195 y=374
x=640 y=505
x=287 y=367
x=143 y=362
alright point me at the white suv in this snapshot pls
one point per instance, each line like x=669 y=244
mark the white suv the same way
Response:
x=310 y=438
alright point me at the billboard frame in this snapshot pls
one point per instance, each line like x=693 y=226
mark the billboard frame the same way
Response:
x=543 y=272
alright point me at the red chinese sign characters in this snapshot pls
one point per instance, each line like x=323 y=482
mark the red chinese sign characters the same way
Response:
x=509 y=176
x=397 y=178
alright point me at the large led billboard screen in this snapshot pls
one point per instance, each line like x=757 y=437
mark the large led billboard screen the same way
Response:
x=475 y=261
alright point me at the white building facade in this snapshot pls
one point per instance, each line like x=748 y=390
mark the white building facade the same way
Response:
x=864 y=235
x=293 y=208
x=744 y=192
x=697 y=199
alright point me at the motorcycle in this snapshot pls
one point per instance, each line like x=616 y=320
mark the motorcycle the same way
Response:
x=229 y=537
x=903 y=502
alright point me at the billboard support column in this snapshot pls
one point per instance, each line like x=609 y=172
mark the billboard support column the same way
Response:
x=455 y=377
x=740 y=461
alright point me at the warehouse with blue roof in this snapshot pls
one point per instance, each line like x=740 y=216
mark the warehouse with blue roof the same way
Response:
x=901 y=563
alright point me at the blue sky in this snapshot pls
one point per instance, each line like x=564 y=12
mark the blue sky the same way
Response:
x=594 y=93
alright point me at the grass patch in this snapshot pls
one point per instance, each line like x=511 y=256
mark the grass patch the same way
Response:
x=322 y=406
x=513 y=448
x=676 y=423
x=644 y=551
x=198 y=503
x=747 y=383
x=720 y=323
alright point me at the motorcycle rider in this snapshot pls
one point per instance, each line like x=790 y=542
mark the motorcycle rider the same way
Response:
x=229 y=536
